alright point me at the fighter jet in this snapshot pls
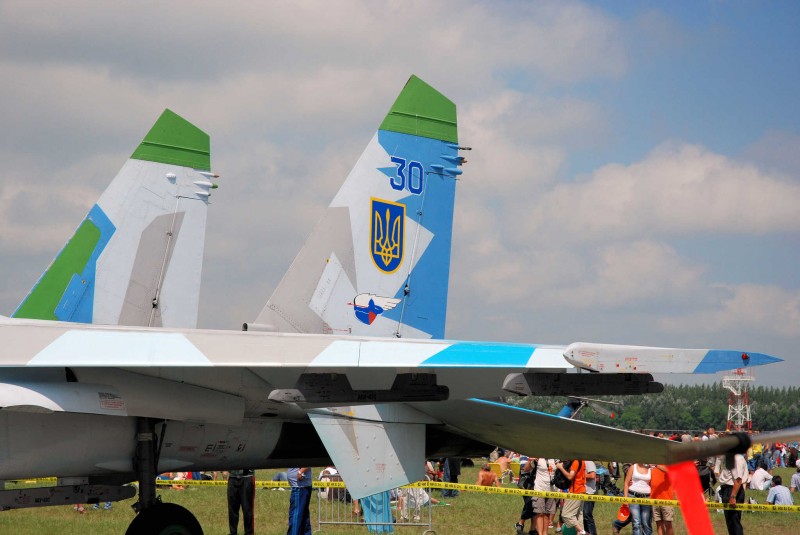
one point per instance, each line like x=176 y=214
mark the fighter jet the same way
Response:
x=309 y=381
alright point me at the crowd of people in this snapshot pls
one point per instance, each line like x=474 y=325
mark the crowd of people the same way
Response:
x=640 y=480
x=753 y=470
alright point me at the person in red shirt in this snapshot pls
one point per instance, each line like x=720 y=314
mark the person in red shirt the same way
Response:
x=570 y=512
x=661 y=489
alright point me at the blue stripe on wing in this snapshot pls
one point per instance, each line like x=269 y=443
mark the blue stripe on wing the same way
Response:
x=717 y=360
x=481 y=354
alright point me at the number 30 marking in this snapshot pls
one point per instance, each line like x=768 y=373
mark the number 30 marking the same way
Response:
x=415 y=179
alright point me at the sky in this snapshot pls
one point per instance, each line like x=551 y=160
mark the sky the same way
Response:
x=635 y=177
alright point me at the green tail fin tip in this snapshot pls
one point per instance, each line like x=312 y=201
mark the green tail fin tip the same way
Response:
x=174 y=140
x=422 y=111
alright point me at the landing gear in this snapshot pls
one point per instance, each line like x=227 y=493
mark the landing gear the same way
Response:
x=144 y=463
x=155 y=518
x=165 y=519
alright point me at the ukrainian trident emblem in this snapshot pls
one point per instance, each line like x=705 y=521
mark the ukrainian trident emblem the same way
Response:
x=387 y=234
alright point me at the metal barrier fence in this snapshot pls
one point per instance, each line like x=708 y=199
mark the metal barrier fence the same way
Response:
x=413 y=509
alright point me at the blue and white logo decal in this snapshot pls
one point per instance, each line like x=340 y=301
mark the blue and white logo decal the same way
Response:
x=369 y=306
x=387 y=234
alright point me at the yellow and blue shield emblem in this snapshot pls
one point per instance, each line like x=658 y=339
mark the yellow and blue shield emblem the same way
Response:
x=387 y=234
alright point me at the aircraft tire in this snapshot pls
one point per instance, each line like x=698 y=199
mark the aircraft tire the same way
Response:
x=165 y=519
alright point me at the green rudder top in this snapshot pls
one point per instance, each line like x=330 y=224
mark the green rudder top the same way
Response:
x=174 y=140
x=422 y=111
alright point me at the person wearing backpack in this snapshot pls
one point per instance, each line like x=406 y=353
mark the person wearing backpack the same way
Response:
x=707 y=478
x=571 y=511
x=527 y=476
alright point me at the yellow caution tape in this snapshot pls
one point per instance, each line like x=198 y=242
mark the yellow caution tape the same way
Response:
x=259 y=484
x=508 y=491
x=190 y=482
x=34 y=480
x=605 y=499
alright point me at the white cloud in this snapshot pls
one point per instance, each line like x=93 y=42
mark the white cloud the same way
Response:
x=749 y=308
x=559 y=41
x=39 y=209
x=678 y=189
x=610 y=277
x=638 y=273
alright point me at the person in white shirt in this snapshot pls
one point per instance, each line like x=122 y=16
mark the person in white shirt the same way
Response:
x=761 y=479
x=732 y=491
x=544 y=508
x=637 y=484
x=539 y=509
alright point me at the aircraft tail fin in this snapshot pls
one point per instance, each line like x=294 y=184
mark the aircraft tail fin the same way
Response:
x=136 y=257
x=378 y=262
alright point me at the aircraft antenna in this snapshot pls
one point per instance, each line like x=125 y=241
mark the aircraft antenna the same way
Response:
x=156 y=302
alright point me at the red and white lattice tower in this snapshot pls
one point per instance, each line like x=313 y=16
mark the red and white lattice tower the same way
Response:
x=738 y=401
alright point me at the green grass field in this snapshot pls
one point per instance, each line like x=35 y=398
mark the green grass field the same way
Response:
x=469 y=514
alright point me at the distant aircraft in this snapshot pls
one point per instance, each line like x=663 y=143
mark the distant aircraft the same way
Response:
x=81 y=401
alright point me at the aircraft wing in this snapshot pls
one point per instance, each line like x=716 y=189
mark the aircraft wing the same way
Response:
x=35 y=343
x=552 y=436
x=546 y=435
x=224 y=377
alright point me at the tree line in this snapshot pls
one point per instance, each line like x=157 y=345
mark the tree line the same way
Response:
x=684 y=407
